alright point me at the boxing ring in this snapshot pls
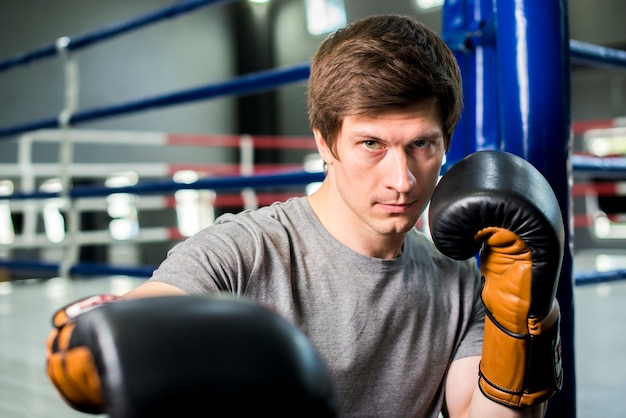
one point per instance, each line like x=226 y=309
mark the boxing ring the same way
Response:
x=517 y=98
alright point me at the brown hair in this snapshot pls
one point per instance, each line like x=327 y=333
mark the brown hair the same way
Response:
x=382 y=62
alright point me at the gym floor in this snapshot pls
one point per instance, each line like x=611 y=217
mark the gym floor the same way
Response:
x=26 y=307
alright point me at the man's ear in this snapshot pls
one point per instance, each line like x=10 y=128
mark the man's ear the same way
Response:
x=322 y=147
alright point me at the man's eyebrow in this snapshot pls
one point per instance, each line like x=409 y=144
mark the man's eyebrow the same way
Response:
x=365 y=133
x=430 y=135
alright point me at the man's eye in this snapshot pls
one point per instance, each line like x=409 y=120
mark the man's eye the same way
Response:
x=421 y=143
x=370 y=144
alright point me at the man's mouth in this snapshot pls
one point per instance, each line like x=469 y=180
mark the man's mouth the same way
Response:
x=397 y=207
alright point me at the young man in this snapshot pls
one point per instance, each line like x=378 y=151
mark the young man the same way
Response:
x=399 y=324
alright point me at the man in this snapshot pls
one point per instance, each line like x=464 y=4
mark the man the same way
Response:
x=399 y=324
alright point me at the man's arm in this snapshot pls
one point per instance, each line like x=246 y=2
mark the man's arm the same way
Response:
x=465 y=400
x=152 y=289
x=499 y=205
x=483 y=407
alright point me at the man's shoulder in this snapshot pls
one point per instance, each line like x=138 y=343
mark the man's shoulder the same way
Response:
x=292 y=207
x=421 y=243
x=279 y=218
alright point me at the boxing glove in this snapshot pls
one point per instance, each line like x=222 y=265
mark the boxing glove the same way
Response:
x=497 y=204
x=198 y=355
x=69 y=363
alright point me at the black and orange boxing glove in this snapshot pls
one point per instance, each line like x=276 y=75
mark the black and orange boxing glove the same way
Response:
x=70 y=364
x=499 y=205
x=182 y=356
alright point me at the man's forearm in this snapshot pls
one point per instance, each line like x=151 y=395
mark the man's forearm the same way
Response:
x=482 y=407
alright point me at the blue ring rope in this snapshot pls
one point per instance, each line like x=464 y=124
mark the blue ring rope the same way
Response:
x=80 y=269
x=594 y=54
x=81 y=41
x=249 y=83
x=292 y=178
x=598 y=165
x=596 y=277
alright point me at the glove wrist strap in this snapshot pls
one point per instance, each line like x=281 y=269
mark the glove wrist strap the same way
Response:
x=74 y=309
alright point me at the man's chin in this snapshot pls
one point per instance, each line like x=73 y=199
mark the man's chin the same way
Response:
x=398 y=228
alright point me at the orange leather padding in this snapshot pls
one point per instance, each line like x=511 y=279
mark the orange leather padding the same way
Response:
x=73 y=372
x=506 y=265
x=507 y=268
x=503 y=367
x=60 y=318
x=503 y=364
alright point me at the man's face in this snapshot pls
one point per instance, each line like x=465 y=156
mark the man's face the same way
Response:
x=386 y=167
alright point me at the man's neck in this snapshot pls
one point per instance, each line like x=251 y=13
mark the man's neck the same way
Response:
x=348 y=231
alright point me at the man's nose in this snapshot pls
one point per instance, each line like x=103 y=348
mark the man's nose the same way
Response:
x=400 y=177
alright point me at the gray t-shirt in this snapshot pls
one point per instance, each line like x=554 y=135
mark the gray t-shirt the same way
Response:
x=388 y=329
